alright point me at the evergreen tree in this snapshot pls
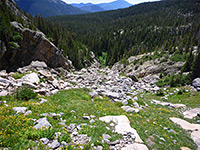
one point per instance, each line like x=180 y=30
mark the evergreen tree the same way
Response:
x=196 y=66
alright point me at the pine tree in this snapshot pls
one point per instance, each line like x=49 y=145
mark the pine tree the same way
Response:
x=196 y=66
x=188 y=64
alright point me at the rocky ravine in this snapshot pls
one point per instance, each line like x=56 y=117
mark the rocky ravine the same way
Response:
x=102 y=81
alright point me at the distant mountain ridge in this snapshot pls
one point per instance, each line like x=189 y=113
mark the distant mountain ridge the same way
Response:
x=88 y=7
x=47 y=8
x=118 y=4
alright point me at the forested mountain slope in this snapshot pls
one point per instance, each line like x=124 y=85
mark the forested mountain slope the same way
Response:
x=167 y=26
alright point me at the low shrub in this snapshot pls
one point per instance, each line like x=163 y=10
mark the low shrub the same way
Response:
x=17 y=38
x=13 y=45
x=180 y=92
x=25 y=93
x=18 y=75
x=160 y=93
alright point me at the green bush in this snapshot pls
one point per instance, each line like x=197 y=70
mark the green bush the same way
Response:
x=18 y=75
x=160 y=93
x=180 y=92
x=17 y=38
x=13 y=45
x=163 y=82
x=25 y=93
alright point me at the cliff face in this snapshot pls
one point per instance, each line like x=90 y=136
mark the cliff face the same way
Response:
x=33 y=46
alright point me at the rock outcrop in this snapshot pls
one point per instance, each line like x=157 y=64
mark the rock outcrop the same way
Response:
x=193 y=128
x=132 y=139
x=34 y=46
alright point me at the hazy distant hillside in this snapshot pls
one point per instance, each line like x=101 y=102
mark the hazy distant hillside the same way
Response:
x=89 y=7
x=47 y=7
x=103 y=6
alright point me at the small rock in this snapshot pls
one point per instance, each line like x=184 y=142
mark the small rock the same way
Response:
x=99 y=148
x=4 y=93
x=125 y=102
x=92 y=116
x=106 y=137
x=44 y=140
x=130 y=109
x=93 y=94
x=135 y=98
x=72 y=111
x=75 y=133
x=64 y=143
x=114 y=142
x=42 y=122
x=28 y=112
x=54 y=91
x=57 y=134
x=86 y=117
x=55 y=144
x=92 y=121
x=185 y=148
x=42 y=100
x=164 y=98
x=19 y=109
x=132 y=76
x=44 y=114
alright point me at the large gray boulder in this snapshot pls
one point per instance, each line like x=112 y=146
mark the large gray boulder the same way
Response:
x=34 y=46
x=32 y=78
x=196 y=82
x=155 y=69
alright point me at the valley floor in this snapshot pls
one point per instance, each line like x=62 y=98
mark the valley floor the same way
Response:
x=73 y=118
